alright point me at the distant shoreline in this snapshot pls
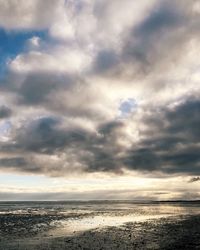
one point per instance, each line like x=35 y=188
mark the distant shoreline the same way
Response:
x=101 y=201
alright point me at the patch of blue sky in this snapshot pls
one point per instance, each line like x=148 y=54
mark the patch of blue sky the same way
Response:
x=13 y=43
x=127 y=107
x=5 y=127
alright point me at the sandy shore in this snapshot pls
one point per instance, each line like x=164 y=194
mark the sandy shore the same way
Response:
x=181 y=232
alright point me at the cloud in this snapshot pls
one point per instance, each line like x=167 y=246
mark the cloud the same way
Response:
x=170 y=141
x=5 y=112
x=194 y=179
x=105 y=61
x=36 y=88
x=104 y=92
x=159 y=40
x=12 y=162
x=60 y=60
x=34 y=42
x=164 y=146
x=32 y=14
x=48 y=135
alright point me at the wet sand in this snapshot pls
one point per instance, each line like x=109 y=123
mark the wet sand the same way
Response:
x=100 y=226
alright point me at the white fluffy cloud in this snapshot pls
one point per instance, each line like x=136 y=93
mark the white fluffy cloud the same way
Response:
x=61 y=60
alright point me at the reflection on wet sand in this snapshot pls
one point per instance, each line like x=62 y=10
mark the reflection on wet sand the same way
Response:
x=117 y=218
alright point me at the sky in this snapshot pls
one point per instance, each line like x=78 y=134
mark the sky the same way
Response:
x=100 y=99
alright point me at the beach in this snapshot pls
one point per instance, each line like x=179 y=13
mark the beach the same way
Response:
x=99 y=225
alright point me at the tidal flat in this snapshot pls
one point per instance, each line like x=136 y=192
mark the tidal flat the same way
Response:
x=90 y=225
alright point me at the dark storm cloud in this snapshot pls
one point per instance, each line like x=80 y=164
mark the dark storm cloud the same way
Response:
x=45 y=135
x=171 y=148
x=105 y=148
x=194 y=179
x=151 y=46
x=142 y=159
x=102 y=161
x=36 y=87
x=20 y=164
x=96 y=151
x=162 y=17
x=169 y=145
x=110 y=127
x=63 y=94
x=5 y=112
x=182 y=161
x=13 y=162
x=145 y=39
x=186 y=120
x=105 y=61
